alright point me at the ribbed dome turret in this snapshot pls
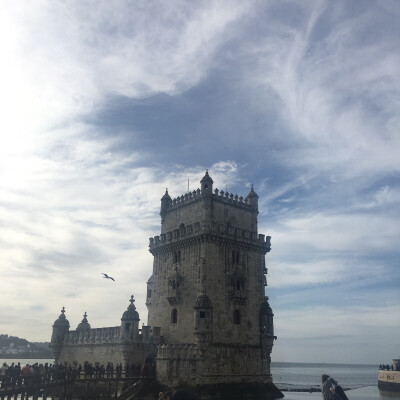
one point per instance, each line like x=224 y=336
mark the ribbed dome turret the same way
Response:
x=206 y=178
x=203 y=301
x=62 y=321
x=166 y=203
x=206 y=184
x=252 y=198
x=130 y=314
x=252 y=193
x=84 y=324
x=166 y=195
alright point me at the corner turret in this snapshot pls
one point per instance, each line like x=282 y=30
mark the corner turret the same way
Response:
x=252 y=198
x=166 y=202
x=130 y=323
x=267 y=325
x=60 y=328
x=206 y=184
x=84 y=324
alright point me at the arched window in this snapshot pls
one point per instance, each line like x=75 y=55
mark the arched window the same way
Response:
x=236 y=317
x=174 y=316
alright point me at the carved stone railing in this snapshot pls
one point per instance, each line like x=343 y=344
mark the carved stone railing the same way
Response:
x=218 y=229
x=96 y=335
x=220 y=195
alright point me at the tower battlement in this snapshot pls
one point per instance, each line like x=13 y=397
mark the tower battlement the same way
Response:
x=220 y=231
x=196 y=195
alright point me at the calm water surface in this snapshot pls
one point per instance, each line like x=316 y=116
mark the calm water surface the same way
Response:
x=362 y=380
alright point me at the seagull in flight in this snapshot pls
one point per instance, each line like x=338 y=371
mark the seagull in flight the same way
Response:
x=108 y=277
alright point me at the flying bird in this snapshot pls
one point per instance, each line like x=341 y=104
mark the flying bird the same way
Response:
x=108 y=277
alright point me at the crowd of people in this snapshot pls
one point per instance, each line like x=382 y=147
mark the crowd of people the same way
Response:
x=387 y=367
x=16 y=374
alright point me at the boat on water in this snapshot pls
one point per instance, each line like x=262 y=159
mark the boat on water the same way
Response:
x=389 y=379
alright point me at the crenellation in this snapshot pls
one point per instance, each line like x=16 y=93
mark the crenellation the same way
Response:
x=217 y=229
x=93 y=335
x=195 y=196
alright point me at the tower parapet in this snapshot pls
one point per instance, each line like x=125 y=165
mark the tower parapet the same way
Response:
x=218 y=232
x=197 y=195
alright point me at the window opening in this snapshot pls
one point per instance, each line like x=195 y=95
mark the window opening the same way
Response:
x=174 y=316
x=236 y=317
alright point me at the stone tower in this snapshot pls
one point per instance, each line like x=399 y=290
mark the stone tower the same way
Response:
x=207 y=290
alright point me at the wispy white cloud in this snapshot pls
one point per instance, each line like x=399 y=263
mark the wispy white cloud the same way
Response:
x=338 y=92
x=86 y=211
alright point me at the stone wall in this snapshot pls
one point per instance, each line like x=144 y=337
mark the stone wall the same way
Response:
x=389 y=380
x=102 y=353
x=105 y=345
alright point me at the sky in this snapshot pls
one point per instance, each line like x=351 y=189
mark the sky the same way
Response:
x=106 y=104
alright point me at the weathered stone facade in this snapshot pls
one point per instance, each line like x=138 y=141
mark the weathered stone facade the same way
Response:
x=209 y=321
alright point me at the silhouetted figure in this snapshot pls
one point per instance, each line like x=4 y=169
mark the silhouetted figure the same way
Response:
x=331 y=390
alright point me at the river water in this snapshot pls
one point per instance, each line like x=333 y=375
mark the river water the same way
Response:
x=362 y=380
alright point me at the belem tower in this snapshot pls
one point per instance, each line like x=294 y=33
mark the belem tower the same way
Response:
x=209 y=320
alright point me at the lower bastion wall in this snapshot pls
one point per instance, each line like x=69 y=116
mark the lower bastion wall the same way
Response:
x=106 y=345
x=102 y=345
x=92 y=352
x=194 y=364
